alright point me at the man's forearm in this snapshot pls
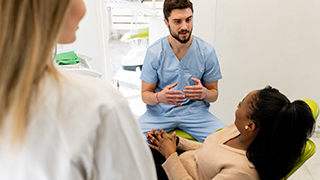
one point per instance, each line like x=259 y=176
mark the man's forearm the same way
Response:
x=212 y=96
x=150 y=98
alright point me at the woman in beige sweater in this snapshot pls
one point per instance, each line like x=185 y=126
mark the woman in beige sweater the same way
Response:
x=265 y=140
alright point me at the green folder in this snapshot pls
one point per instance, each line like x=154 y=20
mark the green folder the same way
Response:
x=67 y=58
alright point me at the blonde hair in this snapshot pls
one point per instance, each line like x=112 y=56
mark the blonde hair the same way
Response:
x=29 y=30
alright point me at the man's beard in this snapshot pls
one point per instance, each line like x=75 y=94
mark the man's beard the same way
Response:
x=176 y=36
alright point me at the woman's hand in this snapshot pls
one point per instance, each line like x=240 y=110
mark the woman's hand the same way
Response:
x=162 y=142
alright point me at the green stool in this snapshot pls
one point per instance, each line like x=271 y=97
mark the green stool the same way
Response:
x=183 y=134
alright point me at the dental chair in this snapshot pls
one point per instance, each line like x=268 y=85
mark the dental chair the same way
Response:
x=310 y=147
x=308 y=151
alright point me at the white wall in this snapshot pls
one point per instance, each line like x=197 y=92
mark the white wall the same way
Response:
x=92 y=37
x=204 y=19
x=266 y=42
x=258 y=43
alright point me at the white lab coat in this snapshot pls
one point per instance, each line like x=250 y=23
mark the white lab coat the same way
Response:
x=83 y=130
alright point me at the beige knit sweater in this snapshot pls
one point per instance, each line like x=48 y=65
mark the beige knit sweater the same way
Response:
x=210 y=160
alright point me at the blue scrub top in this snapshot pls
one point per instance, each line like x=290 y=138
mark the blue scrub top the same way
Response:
x=161 y=66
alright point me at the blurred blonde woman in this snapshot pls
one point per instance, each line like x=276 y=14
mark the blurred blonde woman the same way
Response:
x=57 y=125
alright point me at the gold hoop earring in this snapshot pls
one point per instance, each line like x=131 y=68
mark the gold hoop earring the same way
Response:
x=246 y=127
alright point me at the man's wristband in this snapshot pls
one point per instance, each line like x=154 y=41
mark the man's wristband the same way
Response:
x=157 y=97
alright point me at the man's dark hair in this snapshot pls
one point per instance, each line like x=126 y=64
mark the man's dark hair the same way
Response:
x=169 y=5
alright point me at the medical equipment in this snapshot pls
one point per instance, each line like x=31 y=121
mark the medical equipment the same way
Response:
x=138 y=35
x=75 y=62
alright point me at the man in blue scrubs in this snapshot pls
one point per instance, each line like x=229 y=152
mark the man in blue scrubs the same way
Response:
x=180 y=78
